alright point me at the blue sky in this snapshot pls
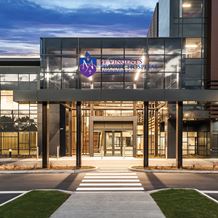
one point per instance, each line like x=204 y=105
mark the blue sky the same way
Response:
x=23 y=22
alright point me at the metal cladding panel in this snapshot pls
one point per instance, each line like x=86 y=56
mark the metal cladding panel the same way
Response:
x=115 y=95
x=19 y=69
x=113 y=125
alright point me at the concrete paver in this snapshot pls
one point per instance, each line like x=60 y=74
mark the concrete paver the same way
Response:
x=109 y=204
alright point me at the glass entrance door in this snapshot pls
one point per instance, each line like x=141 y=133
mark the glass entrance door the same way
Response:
x=108 y=144
x=113 y=143
x=118 y=146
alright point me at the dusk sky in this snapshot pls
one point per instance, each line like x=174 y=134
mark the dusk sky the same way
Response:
x=23 y=22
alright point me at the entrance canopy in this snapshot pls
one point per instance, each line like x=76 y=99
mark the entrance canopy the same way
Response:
x=69 y=95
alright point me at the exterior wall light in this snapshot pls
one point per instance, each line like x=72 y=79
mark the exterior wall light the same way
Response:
x=191 y=46
x=10 y=153
x=186 y=5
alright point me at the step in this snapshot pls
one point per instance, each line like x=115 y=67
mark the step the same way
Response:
x=109 y=174
x=110 y=189
x=110 y=177
x=110 y=184
x=110 y=180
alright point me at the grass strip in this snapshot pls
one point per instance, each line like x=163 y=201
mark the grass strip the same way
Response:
x=35 y=204
x=180 y=203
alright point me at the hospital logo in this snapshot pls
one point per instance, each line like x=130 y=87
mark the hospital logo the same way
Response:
x=88 y=65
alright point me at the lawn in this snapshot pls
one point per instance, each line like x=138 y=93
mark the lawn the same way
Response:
x=179 y=203
x=35 y=204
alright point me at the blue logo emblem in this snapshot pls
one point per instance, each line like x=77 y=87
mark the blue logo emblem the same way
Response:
x=88 y=65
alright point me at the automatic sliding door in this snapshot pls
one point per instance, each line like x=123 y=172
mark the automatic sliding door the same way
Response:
x=113 y=143
x=108 y=144
x=118 y=147
x=127 y=137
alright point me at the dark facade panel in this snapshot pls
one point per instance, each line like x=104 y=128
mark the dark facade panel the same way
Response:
x=15 y=62
x=214 y=45
x=111 y=95
x=19 y=69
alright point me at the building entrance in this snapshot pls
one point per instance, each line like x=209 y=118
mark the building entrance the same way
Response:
x=118 y=143
x=113 y=145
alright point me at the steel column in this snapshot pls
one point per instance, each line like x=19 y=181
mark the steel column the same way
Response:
x=179 y=129
x=145 y=150
x=45 y=136
x=78 y=134
x=62 y=130
x=156 y=130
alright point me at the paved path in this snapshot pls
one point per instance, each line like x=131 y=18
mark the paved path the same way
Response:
x=109 y=204
x=109 y=194
x=115 y=162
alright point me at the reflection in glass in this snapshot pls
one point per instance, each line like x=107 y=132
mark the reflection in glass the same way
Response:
x=121 y=63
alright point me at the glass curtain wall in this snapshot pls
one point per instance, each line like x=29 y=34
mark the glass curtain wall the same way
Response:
x=190 y=20
x=21 y=81
x=18 y=122
x=109 y=137
x=134 y=63
x=106 y=125
x=18 y=126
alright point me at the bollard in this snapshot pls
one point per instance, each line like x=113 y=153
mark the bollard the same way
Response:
x=102 y=152
x=37 y=152
x=10 y=153
x=58 y=152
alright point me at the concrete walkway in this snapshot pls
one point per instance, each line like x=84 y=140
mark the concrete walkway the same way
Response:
x=109 y=205
x=106 y=162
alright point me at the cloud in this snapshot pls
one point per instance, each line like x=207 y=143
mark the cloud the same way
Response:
x=25 y=21
x=112 y=5
x=13 y=47
x=23 y=45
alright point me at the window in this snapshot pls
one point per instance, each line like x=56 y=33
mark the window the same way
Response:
x=191 y=8
x=193 y=47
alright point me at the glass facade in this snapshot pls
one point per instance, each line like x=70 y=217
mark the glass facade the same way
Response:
x=115 y=128
x=18 y=126
x=139 y=63
x=187 y=19
x=134 y=63
x=129 y=63
x=18 y=121
x=21 y=81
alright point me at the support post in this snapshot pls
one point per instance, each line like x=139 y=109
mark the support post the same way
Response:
x=62 y=130
x=156 y=130
x=78 y=134
x=179 y=129
x=45 y=136
x=145 y=129
x=134 y=136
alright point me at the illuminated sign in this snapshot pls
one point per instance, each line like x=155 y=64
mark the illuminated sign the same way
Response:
x=88 y=65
